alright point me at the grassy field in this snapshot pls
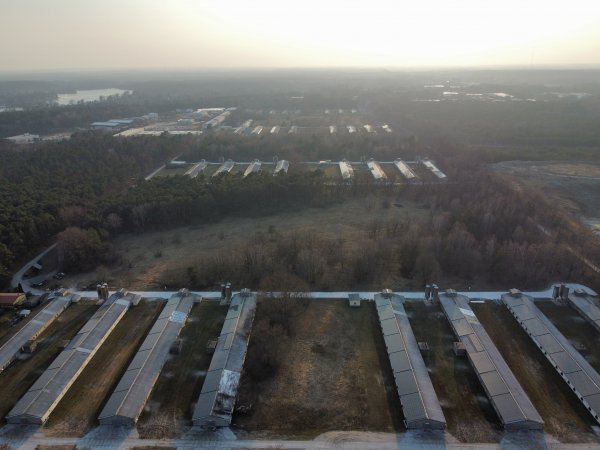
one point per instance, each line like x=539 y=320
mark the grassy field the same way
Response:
x=575 y=187
x=332 y=374
x=469 y=414
x=564 y=416
x=74 y=416
x=180 y=248
x=180 y=382
x=576 y=329
x=20 y=375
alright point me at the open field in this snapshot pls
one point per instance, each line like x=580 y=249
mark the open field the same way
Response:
x=168 y=411
x=563 y=414
x=332 y=373
x=574 y=185
x=20 y=375
x=150 y=259
x=73 y=416
x=576 y=329
x=469 y=414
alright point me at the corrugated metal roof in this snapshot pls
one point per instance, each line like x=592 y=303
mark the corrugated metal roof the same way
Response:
x=535 y=327
x=217 y=399
x=504 y=391
x=393 y=343
x=420 y=405
x=413 y=407
x=549 y=343
x=482 y=362
x=569 y=363
x=399 y=361
x=587 y=307
x=32 y=329
x=129 y=397
x=45 y=394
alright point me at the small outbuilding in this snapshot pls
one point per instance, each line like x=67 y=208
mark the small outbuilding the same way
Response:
x=354 y=300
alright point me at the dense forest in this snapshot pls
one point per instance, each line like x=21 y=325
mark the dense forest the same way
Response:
x=95 y=182
x=46 y=188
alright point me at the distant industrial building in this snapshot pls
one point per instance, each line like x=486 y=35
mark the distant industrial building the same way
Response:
x=106 y=125
x=216 y=122
x=24 y=138
x=216 y=402
x=112 y=124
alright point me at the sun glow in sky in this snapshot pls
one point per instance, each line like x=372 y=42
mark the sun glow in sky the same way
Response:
x=111 y=34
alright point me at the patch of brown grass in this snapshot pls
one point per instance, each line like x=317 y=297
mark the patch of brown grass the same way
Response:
x=328 y=376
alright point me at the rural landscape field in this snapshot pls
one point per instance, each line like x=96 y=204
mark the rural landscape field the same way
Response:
x=233 y=225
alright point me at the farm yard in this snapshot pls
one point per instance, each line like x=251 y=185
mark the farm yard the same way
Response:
x=322 y=370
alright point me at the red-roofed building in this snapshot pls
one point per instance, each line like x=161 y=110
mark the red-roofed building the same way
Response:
x=11 y=301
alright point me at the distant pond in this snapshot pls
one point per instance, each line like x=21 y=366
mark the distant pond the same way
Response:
x=88 y=95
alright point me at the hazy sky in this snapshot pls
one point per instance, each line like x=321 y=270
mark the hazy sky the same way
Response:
x=110 y=34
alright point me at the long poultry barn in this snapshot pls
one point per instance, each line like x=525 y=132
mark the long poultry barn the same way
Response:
x=281 y=166
x=434 y=169
x=129 y=397
x=586 y=306
x=419 y=401
x=216 y=402
x=254 y=167
x=346 y=170
x=40 y=400
x=507 y=396
x=376 y=170
x=196 y=169
x=579 y=375
x=224 y=168
x=33 y=328
x=406 y=171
